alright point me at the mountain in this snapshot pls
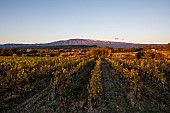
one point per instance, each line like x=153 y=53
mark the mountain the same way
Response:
x=91 y=42
x=99 y=43
x=80 y=42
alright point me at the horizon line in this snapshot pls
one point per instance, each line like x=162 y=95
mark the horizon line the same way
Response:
x=82 y=39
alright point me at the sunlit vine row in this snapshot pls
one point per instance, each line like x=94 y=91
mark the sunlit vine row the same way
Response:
x=95 y=84
x=150 y=70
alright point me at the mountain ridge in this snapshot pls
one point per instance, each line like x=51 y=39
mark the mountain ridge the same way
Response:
x=77 y=41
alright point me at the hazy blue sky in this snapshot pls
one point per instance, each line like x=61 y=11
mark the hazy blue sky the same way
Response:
x=38 y=21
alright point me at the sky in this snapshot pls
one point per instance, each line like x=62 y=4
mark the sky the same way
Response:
x=40 y=21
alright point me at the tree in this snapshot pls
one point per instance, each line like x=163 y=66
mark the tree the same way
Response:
x=139 y=55
x=10 y=51
x=4 y=52
x=168 y=47
x=152 y=55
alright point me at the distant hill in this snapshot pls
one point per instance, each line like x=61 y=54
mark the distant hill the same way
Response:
x=80 y=42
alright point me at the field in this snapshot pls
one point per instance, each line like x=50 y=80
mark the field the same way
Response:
x=93 y=80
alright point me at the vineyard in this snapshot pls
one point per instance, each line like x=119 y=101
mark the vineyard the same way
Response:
x=95 y=81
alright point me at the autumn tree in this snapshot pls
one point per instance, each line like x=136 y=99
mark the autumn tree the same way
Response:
x=139 y=55
x=4 y=52
x=168 y=47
